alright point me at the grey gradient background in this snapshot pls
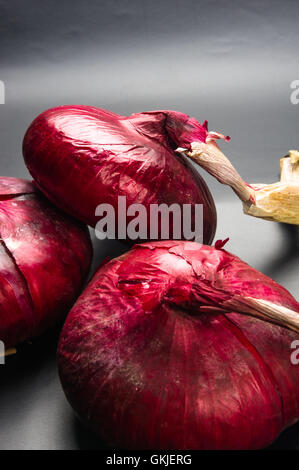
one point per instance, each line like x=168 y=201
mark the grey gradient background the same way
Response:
x=230 y=62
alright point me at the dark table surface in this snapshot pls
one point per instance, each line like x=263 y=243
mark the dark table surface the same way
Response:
x=34 y=413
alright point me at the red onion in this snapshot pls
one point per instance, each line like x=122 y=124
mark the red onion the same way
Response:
x=44 y=258
x=165 y=350
x=82 y=156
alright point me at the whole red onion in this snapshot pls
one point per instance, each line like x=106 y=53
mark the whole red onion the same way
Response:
x=44 y=258
x=163 y=351
x=82 y=156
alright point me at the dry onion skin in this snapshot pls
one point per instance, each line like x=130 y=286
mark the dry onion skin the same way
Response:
x=45 y=257
x=177 y=345
x=279 y=202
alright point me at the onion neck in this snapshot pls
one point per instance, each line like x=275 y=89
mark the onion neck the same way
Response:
x=209 y=156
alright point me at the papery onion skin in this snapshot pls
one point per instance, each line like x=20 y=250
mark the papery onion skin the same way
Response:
x=145 y=369
x=82 y=156
x=45 y=256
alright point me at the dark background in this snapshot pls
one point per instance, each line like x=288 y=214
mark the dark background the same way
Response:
x=231 y=62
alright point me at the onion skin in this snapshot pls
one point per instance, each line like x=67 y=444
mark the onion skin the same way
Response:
x=82 y=156
x=146 y=369
x=45 y=257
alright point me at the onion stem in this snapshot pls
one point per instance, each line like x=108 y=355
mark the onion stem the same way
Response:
x=277 y=202
x=265 y=310
x=210 y=157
